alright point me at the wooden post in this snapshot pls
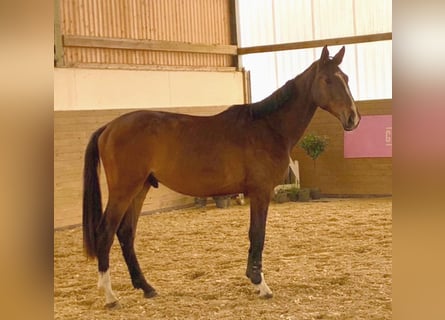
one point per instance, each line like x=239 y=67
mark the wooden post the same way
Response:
x=58 y=43
x=247 y=89
x=234 y=30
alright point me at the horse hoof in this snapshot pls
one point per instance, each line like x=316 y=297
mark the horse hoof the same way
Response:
x=263 y=289
x=267 y=295
x=150 y=294
x=115 y=305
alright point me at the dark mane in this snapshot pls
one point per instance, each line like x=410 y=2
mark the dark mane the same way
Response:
x=274 y=101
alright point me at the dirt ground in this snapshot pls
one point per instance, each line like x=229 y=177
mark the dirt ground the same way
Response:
x=329 y=259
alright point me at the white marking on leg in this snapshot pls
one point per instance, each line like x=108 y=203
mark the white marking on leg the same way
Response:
x=264 y=289
x=105 y=283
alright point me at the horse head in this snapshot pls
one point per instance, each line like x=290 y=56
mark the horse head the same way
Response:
x=330 y=90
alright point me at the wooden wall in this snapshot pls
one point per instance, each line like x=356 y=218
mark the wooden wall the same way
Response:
x=167 y=24
x=72 y=130
x=334 y=174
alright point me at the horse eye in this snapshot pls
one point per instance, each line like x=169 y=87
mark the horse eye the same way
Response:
x=328 y=80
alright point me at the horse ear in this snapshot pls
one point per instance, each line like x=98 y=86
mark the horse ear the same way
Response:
x=339 y=56
x=324 y=55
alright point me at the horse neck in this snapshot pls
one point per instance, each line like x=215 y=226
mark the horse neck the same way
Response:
x=292 y=119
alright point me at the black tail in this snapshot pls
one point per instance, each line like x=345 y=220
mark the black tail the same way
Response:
x=92 y=199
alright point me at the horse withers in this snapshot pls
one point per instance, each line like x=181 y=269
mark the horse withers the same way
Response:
x=244 y=149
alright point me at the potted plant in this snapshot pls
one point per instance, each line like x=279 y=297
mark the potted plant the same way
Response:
x=281 y=196
x=200 y=202
x=222 y=201
x=292 y=193
x=314 y=145
x=286 y=192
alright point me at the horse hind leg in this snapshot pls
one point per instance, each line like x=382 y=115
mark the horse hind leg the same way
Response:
x=104 y=282
x=117 y=206
x=126 y=235
x=104 y=239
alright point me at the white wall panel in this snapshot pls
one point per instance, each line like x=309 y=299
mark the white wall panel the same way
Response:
x=264 y=22
x=96 y=89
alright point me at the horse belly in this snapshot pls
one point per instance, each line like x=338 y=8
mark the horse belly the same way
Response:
x=202 y=188
x=202 y=177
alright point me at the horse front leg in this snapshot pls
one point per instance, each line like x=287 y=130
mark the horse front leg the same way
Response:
x=259 y=204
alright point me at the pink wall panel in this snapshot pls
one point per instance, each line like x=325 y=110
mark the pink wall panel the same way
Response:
x=372 y=138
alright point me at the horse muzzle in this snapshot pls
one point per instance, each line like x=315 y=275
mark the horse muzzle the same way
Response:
x=351 y=122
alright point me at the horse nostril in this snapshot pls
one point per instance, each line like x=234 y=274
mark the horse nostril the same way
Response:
x=351 y=120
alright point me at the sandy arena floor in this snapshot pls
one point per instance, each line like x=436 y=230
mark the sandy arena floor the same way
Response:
x=323 y=260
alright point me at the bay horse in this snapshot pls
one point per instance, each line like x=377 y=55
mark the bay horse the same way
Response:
x=244 y=149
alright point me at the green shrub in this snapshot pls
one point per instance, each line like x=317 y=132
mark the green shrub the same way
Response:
x=313 y=145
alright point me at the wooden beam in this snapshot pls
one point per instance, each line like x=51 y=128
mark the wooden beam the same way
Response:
x=316 y=43
x=126 y=66
x=154 y=45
